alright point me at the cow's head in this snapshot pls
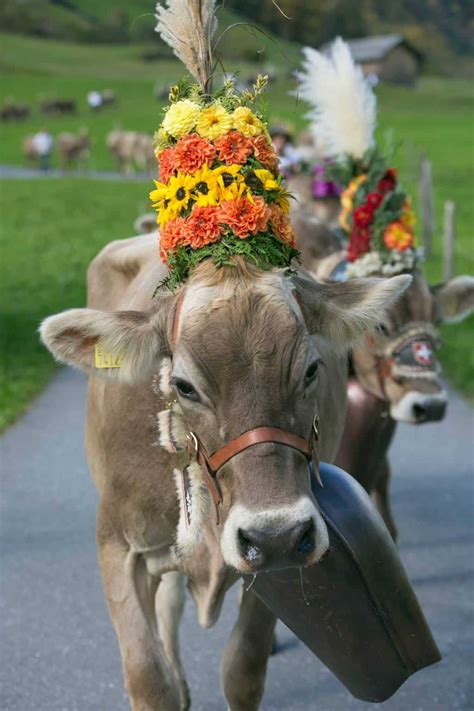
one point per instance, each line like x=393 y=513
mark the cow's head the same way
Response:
x=400 y=365
x=252 y=349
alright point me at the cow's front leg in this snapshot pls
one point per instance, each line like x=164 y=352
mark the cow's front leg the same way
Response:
x=244 y=662
x=130 y=593
x=170 y=600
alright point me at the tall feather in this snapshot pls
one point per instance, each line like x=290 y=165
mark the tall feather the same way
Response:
x=344 y=107
x=188 y=26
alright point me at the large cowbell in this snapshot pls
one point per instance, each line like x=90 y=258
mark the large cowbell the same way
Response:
x=355 y=609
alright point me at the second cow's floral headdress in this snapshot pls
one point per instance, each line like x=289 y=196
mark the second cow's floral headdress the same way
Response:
x=219 y=192
x=376 y=213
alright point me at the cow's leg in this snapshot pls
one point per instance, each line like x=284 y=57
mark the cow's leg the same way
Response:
x=130 y=593
x=244 y=662
x=169 y=605
x=381 y=498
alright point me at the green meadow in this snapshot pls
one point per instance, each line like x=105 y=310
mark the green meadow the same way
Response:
x=51 y=228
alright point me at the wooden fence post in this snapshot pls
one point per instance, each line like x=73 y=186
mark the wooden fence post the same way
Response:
x=426 y=201
x=449 y=236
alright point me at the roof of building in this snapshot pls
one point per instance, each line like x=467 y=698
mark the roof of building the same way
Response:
x=370 y=49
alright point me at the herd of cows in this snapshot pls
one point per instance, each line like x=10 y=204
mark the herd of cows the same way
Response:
x=239 y=337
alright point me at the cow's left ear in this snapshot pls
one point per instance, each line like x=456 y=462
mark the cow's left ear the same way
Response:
x=454 y=300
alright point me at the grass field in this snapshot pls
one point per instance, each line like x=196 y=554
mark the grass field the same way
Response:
x=52 y=228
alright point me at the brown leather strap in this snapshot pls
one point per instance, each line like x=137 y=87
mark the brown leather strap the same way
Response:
x=177 y=314
x=258 y=436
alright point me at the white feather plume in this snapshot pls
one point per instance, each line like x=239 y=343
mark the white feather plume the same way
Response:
x=187 y=26
x=344 y=107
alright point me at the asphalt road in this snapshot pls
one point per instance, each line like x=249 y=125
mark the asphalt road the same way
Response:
x=58 y=651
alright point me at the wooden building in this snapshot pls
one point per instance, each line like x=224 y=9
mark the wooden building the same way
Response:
x=390 y=58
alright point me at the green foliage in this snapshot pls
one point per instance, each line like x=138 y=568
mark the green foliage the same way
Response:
x=263 y=249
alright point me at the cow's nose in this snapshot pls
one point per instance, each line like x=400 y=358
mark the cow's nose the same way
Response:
x=429 y=411
x=290 y=547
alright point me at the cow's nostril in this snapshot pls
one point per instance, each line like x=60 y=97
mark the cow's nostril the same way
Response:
x=419 y=412
x=248 y=548
x=307 y=541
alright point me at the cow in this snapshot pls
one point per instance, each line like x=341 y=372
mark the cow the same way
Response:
x=396 y=376
x=131 y=149
x=13 y=111
x=58 y=106
x=243 y=348
x=73 y=148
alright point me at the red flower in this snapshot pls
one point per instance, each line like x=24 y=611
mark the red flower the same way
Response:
x=192 y=152
x=373 y=201
x=363 y=216
x=359 y=243
x=166 y=164
x=388 y=182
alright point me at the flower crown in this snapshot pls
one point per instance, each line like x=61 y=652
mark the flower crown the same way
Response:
x=376 y=213
x=377 y=217
x=219 y=191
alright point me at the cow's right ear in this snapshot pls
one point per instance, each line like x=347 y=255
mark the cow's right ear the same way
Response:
x=86 y=338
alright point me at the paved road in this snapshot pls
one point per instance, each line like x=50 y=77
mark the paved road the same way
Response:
x=18 y=172
x=58 y=649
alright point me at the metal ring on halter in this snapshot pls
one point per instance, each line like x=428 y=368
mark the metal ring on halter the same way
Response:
x=316 y=427
x=191 y=437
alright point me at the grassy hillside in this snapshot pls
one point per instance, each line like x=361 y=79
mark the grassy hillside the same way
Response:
x=52 y=228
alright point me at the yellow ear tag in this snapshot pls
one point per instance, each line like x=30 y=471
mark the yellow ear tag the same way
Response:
x=107 y=360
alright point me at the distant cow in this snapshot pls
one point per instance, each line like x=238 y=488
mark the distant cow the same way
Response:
x=73 y=148
x=59 y=106
x=37 y=148
x=131 y=150
x=12 y=111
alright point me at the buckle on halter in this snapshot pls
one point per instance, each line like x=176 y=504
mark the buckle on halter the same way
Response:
x=316 y=427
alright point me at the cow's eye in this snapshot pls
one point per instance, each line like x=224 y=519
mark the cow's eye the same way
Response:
x=185 y=389
x=311 y=372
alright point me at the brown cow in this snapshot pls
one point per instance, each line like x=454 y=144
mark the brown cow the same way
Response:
x=73 y=148
x=397 y=376
x=249 y=348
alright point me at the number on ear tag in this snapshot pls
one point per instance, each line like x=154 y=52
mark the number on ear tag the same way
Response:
x=107 y=360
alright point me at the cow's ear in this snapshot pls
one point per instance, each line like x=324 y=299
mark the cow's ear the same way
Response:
x=344 y=312
x=120 y=345
x=454 y=300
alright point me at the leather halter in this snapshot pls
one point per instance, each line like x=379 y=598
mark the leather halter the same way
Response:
x=211 y=464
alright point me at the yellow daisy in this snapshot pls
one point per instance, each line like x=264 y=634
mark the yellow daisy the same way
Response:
x=245 y=121
x=230 y=181
x=213 y=122
x=181 y=118
x=159 y=195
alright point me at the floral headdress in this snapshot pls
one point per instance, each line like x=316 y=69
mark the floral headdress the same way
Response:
x=219 y=192
x=376 y=213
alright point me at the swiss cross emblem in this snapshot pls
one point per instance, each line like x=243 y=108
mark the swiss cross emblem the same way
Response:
x=422 y=352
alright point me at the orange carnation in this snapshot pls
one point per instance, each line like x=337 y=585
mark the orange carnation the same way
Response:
x=166 y=164
x=265 y=153
x=396 y=236
x=173 y=234
x=281 y=225
x=192 y=152
x=203 y=226
x=233 y=148
x=243 y=217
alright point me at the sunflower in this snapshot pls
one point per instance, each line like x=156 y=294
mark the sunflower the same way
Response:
x=230 y=181
x=206 y=190
x=267 y=179
x=180 y=190
x=159 y=195
x=213 y=122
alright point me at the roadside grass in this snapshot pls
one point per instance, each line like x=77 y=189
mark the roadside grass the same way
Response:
x=52 y=228
x=50 y=232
